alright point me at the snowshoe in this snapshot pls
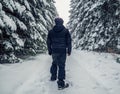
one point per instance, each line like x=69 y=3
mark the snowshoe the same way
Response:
x=63 y=87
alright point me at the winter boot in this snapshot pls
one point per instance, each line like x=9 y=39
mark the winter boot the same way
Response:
x=62 y=85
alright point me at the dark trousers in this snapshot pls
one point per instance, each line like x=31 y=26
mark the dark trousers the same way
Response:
x=58 y=65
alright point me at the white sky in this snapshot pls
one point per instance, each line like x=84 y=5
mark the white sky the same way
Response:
x=63 y=9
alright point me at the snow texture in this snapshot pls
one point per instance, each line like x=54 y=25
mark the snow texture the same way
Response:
x=94 y=24
x=24 y=25
x=86 y=73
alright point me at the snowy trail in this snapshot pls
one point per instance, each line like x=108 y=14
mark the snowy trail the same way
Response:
x=83 y=82
x=36 y=81
x=32 y=77
x=39 y=81
x=21 y=75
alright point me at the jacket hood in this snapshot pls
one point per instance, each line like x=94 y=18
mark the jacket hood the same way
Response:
x=58 y=28
x=59 y=21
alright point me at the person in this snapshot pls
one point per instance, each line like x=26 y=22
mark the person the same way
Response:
x=59 y=45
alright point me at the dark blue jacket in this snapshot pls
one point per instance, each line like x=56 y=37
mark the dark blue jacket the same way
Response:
x=59 y=40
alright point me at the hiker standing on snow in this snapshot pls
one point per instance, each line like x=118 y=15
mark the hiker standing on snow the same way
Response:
x=59 y=45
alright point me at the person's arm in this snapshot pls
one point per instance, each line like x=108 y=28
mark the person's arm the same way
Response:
x=49 y=44
x=69 y=42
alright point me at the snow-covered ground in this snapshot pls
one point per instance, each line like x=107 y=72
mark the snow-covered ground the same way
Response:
x=86 y=72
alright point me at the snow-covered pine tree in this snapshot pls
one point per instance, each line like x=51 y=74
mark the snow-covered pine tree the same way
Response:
x=23 y=27
x=95 y=25
x=73 y=17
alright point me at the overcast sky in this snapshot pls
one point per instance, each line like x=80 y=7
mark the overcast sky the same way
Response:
x=63 y=8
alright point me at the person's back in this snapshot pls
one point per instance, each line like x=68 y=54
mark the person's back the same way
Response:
x=59 y=43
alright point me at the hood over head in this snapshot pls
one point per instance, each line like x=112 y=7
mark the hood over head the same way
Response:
x=58 y=28
x=59 y=25
x=59 y=21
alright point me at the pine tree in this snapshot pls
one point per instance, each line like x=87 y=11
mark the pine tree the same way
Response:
x=96 y=26
x=23 y=27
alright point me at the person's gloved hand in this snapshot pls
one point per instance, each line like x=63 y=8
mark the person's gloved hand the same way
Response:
x=69 y=54
x=50 y=53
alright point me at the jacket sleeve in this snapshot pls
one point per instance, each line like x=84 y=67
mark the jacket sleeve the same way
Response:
x=49 y=44
x=69 y=42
